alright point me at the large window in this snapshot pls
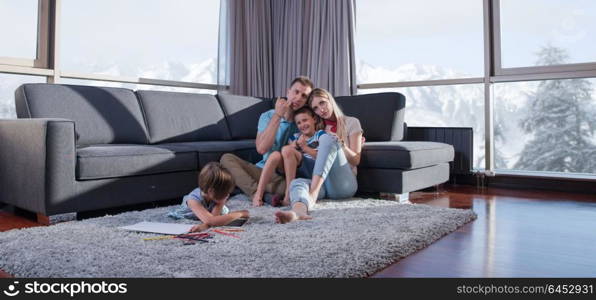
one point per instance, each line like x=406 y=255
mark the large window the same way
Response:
x=445 y=106
x=148 y=44
x=429 y=42
x=172 y=40
x=529 y=25
x=399 y=40
x=18 y=28
x=546 y=126
x=531 y=65
x=8 y=84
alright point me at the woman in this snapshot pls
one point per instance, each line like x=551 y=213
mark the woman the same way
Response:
x=334 y=171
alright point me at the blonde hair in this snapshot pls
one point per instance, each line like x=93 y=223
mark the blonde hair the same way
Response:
x=342 y=132
x=215 y=176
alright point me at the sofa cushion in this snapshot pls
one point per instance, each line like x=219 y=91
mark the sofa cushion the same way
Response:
x=381 y=114
x=242 y=114
x=401 y=181
x=183 y=117
x=108 y=161
x=212 y=151
x=102 y=115
x=404 y=155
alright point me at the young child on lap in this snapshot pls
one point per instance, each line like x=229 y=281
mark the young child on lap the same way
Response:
x=302 y=146
x=207 y=202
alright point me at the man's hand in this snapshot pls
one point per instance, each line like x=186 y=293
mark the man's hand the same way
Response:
x=282 y=106
x=257 y=201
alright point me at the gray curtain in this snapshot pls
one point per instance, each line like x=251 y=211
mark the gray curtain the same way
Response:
x=247 y=36
x=273 y=41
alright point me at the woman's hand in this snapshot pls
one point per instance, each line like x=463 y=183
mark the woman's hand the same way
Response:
x=333 y=134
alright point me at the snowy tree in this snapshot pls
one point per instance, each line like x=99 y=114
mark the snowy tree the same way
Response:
x=560 y=118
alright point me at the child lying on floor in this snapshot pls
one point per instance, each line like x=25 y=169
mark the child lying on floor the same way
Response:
x=207 y=202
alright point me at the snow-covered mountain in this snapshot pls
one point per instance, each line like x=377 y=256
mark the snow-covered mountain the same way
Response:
x=456 y=105
x=203 y=72
x=408 y=72
x=8 y=85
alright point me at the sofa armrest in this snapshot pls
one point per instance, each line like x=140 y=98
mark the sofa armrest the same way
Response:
x=461 y=138
x=37 y=163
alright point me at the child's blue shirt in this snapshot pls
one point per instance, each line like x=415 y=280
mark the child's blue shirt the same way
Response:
x=312 y=142
x=184 y=211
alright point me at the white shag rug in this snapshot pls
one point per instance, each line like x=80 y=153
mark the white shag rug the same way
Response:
x=348 y=238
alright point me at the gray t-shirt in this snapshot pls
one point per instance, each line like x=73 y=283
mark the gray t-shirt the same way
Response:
x=352 y=127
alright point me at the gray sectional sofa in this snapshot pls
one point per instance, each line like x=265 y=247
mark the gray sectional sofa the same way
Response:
x=80 y=148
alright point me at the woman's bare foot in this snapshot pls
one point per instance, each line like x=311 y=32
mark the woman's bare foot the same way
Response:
x=283 y=217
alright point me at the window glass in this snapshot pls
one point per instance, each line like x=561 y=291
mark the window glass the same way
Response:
x=446 y=106
x=546 y=126
x=8 y=84
x=399 y=40
x=171 y=40
x=530 y=25
x=18 y=28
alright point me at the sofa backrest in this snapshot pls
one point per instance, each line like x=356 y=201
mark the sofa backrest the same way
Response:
x=182 y=117
x=102 y=115
x=381 y=115
x=242 y=114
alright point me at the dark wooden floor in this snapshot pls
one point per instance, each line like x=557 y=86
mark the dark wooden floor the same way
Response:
x=517 y=234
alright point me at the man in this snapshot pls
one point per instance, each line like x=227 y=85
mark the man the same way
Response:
x=274 y=128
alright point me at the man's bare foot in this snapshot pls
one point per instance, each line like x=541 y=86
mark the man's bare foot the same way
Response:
x=285 y=201
x=313 y=199
x=257 y=201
